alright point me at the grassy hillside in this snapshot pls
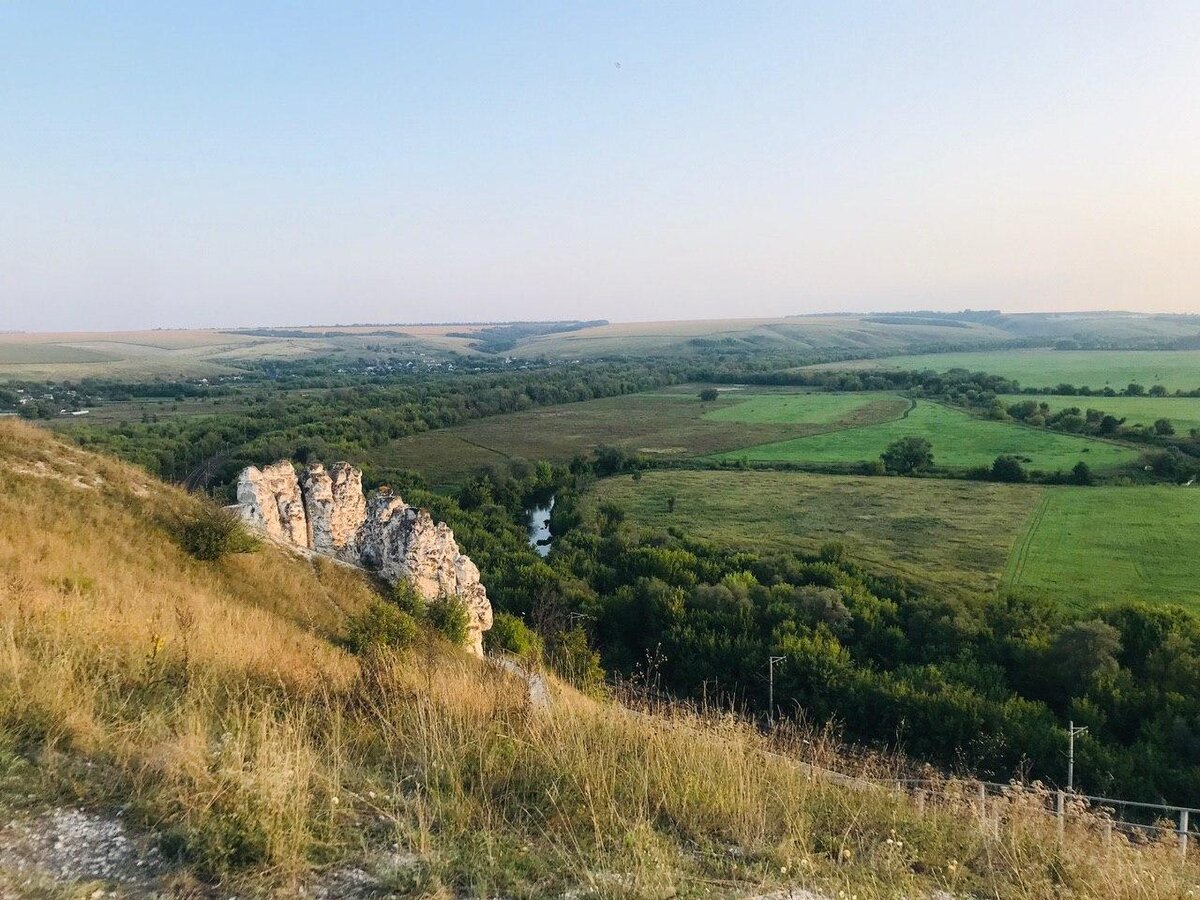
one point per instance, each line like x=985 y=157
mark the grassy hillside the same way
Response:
x=208 y=702
x=954 y=535
x=1096 y=369
x=792 y=334
x=959 y=441
x=1086 y=547
x=193 y=353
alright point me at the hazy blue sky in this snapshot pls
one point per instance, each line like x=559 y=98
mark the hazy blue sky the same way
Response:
x=253 y=162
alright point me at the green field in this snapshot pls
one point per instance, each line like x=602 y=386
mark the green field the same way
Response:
x=1089 y=546
x=665 y=424
x=1184 y=412
x=15 y=354
x=1174 y=369
x=1080 y=547
x=811 y=408
x=954 y=535
x=959 y=441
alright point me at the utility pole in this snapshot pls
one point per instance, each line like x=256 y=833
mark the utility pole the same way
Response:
x=1071 y=732
x=771 y=660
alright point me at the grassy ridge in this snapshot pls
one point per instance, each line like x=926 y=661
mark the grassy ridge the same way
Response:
x=206 y=701
x=1090 y=546
x=959 y=441
x=197 y=699
x=953 y=535
x=1174 y=369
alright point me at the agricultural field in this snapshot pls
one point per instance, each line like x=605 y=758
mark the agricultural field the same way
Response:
x=953 y=535
x=1088 y=546
x=959 y=441
x=195 y=353
x=1095 y=369
x=1184 y=412
x=791 y=334
x=1079 y=547
x=665 y=424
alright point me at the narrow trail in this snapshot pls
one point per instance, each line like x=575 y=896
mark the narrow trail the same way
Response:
x=1017 y=567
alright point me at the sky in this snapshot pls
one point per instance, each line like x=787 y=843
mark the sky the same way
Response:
x=235 y=164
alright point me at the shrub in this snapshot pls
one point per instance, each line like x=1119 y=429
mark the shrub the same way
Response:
x=575 y=661
x=510 y=634
x=381 y=625
x=213 y=532
x=709 y=394
x=1008 y=469
x=405 y=596
x=448 y=615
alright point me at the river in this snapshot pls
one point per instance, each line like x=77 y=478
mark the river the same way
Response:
x=539 y=527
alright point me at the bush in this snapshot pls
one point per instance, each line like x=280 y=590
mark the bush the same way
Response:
x=381 y=625
x=510 y=634
x=709 y=394
x=575 y=661
x=1008 y=469
x=448 y=615
x=213 y=532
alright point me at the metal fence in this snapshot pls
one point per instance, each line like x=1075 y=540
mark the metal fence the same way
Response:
x=1136 y=820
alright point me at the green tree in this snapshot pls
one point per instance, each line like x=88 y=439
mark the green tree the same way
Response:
x=1082 y=474
x=908 y=455
x=1164 y=427
x=709 y=394
x=1085 y=650
x=1008 y=469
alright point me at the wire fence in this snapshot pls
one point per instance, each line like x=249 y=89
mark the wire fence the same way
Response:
x=1133 y=819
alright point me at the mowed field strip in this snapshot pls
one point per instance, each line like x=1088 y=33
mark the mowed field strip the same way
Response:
x=1173 y=369
x=955 y=536
x=959 y=441
x=664 y=424
x=1090 y=546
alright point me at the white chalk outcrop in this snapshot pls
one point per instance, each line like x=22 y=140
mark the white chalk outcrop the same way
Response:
x=325 y=511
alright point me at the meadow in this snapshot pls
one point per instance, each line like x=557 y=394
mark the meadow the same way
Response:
x=663 y=424
x=959 y=441
x=1084 y=547
x=1095 y=369
x=1184 y=412
x=953 y=535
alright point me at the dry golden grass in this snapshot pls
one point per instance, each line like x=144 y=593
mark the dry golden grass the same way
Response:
x=209 y=698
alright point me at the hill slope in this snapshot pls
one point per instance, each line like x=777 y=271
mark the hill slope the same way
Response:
x=209 y=704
